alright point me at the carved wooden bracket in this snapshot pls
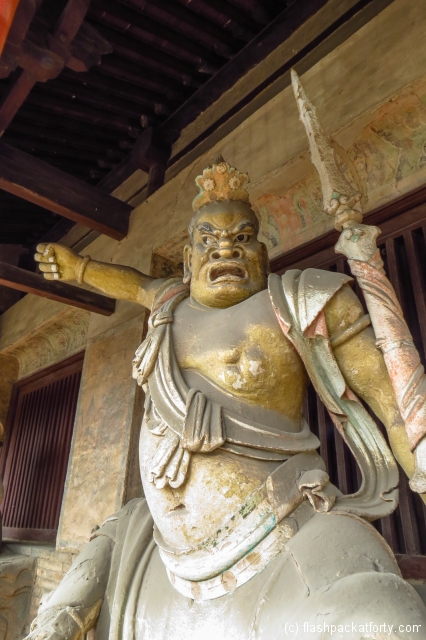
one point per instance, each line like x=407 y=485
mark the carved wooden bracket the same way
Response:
x=42 y=56
x=151 y=154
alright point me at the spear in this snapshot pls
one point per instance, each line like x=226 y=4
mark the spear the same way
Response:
x=358 y=243
x=338 y=195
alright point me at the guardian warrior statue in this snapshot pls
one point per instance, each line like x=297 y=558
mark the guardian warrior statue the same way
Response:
x=241 y=535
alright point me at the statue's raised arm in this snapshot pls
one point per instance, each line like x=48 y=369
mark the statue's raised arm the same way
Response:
x=124 y=283
x=358 y=243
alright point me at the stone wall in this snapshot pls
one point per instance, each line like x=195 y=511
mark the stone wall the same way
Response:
x=9 y=371
x=107 y=424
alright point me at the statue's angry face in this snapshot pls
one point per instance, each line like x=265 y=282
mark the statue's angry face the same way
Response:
x=225 y=263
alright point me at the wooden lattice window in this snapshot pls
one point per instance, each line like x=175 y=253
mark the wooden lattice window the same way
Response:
x=403 y=250
x=36 y=450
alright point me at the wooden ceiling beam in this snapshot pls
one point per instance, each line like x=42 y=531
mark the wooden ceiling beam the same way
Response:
x=114 y=86
x=15 y=98
x=21 y=12
x=147 y=50
x=29 y=282
x=150 y=154
x=93 y=98
x=87 y=49
x=41 y=65
x=299 y=17
x=268 y=40
x=122 y=47
x=262 y=11
x=68 y=26
x=38 y=118
x=239 y=18
x=33 y=134
x=195 y=25
x=80 y=112
x=140 y=20
x=130 y=73
x=176 y=88
x=126 y=20
x=248 y=58
x=78 y=167
x=60 y=151
x=69 y=40
x=31 y=179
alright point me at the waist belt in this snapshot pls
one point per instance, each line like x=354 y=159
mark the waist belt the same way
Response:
x=254 y=535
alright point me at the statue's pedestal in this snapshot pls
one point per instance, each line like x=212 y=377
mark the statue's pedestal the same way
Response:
x=16 y=584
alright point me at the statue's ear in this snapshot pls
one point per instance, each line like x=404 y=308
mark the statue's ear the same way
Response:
x=187 y=255
x=266 y=259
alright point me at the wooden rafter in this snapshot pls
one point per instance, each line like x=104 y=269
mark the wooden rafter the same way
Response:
x=150 y=154
x=40 y=65
x=284 y=25
x=290 y=21
x=16 y=278
x=44 y=185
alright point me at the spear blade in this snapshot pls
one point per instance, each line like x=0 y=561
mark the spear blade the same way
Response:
x=335 y=188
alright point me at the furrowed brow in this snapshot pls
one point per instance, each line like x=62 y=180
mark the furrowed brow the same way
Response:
x=244 y=226
x=206 y=227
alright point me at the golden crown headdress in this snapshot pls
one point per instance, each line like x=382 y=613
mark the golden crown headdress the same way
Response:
x=220 y=182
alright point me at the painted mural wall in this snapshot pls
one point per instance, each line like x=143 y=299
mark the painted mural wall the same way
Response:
x=387 y=157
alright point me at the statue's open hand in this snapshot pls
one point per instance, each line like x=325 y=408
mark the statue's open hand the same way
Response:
x=57 y=624
x=58 y=262
x=358 y=241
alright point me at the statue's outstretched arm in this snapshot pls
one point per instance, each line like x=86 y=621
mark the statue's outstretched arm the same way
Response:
x=364 y=369
x=60 y=263
x=73 y=609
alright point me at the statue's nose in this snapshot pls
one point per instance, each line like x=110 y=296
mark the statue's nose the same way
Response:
x=226 y=250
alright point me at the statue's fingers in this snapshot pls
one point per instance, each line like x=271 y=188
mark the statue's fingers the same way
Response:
x=47 y=267
x=39 y=257
x=42 y=247
x=51 y=276
x=49 y=251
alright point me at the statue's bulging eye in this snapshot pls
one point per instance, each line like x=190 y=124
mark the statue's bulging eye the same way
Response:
x=242 y=237
x=208 y=240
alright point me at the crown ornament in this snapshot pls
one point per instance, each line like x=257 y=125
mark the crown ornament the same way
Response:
x=220 y=182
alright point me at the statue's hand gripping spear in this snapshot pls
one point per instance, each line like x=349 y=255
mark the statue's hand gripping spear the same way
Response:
x=358 y=243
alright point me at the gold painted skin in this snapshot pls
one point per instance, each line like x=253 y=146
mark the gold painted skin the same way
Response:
x=249 y=357
x=227 y=331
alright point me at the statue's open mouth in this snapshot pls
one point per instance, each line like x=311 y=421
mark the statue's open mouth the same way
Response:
x=227 y=272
